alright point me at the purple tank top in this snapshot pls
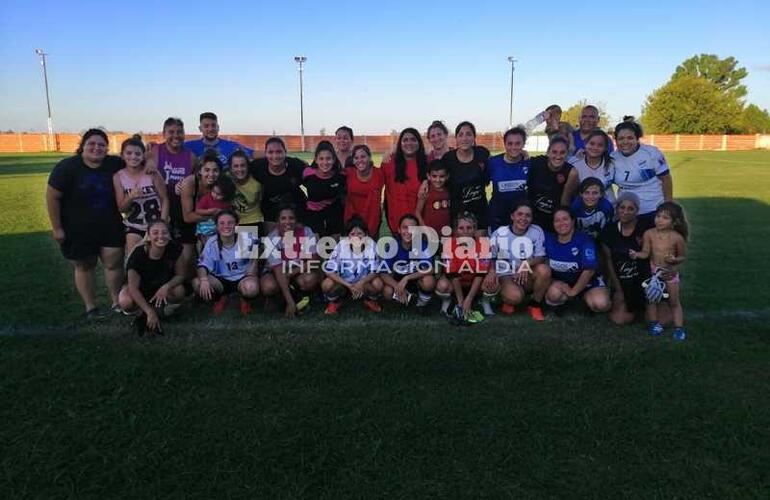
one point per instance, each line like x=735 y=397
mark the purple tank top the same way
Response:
x=174 y=166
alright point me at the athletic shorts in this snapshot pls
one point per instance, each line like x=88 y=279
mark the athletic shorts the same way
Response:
x=411 y=287
x=228 y=286
x=133 y=230
x=327 y=221
x=183 y=232
x=84 y=247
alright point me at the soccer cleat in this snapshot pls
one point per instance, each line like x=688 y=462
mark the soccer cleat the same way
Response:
x=456 y=317
x=679 y=334
x=246 y=308
x=303 y=303
x=507 y=309
x=655 y=329
x=332 y=308
x=372 y=305
x=474 y=317
x=219 y=305
x=536 y=313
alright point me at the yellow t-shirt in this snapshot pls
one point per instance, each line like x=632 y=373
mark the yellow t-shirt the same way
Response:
x=248 y=197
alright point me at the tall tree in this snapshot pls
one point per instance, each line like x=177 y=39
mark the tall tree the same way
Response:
x=725 y=73
x=755 y=120
x=691 y=105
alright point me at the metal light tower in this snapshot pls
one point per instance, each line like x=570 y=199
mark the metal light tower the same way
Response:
x=42 y=55
x=300 y=60
x=510 y=110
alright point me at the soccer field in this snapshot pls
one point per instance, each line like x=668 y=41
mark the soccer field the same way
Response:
x=395 y=405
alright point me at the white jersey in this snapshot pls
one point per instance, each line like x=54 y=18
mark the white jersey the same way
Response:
x=605 y=175
x=223 y=262
x=638 y=173
x=279 y=253
x=352 y=266
x=509 y=249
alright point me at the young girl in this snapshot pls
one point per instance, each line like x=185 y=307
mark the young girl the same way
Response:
x=433 y=210
x=592 y=210
x=325 y=184
x=140 y=196
x=352 y=269
x=595 y=162
x=406 y=273
x=666 y=247
x=219 y=198
x=466 y=267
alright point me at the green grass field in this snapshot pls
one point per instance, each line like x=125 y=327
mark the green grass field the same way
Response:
x=395 y=405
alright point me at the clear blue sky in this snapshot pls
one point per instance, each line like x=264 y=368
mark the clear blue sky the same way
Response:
x=129 y=65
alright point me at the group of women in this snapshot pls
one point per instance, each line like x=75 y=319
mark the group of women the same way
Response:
x=142 y=214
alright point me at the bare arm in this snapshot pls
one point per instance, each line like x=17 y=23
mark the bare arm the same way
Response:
x=570 y=188
x=644 y=253
x=188 y=203
x=53 y=201
x=160 y=188
x=134 y=280
x=419 y=208
x=582 y=281
x=667 y=184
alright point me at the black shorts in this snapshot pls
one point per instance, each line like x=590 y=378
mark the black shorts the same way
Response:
x=228 y=286
x=133 y=230
x=183 y=232
x=633 y=293
x=84 y=247
x=328 y=221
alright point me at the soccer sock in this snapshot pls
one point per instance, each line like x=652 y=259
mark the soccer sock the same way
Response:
x=423 y=298
x=486 y=304
x=446 y=300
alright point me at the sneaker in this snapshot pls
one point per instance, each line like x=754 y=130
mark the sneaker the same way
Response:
x=115 y=309
x=133 y=312
x=679 y=334
x=331 y=308
x=97 y=314
x=303 y=303
x=372 y=305
x=455 y=316
x=475 y=317
x=246 y=307
x=655 y=329
x=219 y=305
x=536 y=313
x=507 y=309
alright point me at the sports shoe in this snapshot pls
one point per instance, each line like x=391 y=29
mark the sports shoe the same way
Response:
x=372 y=305
x=133 y=312
x=456 y=317
x=332 y=308
x=246 y=307
x=303 y=303
x=507 y=309
x=115 y=309
x=679 y=334
x=97 y=314
x=536 y=313
x=219 y=305
x=474 y=317
x=655 y=329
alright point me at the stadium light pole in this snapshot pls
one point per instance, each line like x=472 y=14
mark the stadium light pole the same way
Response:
x=510 y=109
x=43 y=55
x=300 y=60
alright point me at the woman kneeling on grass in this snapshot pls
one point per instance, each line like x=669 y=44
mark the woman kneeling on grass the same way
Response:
x=290 y=264
x=222 y=271
x=520 y=266
x=466 y=267
x=352 y=269
x=574 y=264
x=155 y=279
x=409 y=273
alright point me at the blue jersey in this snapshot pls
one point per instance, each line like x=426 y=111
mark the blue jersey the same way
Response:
x=580 y=144
x=592 y=220
x=569 y=260
x=404 y=262
x=223 y=147
x=509 y=186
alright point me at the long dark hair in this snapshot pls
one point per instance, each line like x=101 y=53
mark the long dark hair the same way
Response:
x=606 y=158
x=422 y=161
x=679 y=221
x=326 y=146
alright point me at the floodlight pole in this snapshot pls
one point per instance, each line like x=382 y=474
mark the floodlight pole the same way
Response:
x=43 y=55
x=300 y=60
x=510 y=109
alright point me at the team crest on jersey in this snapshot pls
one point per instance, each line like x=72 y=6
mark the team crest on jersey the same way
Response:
x=575 y=251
